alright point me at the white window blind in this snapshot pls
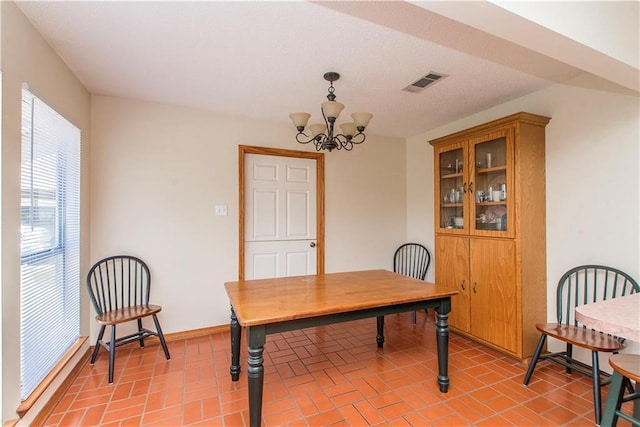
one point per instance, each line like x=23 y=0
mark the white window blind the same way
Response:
x=50 y=240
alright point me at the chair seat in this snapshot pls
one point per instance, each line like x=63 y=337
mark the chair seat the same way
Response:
x=628 y=365
x=582 y=337
x=126 y=314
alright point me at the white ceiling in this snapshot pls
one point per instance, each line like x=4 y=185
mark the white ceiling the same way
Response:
x=265 y=60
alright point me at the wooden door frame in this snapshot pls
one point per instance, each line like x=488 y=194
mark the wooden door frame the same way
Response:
x=319 y=158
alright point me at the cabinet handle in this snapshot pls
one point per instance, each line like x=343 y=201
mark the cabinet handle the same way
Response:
x=462 y=284
x=464 y=187
x=471 y=187
x=474 y=288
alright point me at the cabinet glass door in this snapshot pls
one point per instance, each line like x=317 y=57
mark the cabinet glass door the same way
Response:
x=452 y=188
x=491 y=185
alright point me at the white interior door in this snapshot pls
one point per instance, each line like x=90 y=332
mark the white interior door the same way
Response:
x=280 y=216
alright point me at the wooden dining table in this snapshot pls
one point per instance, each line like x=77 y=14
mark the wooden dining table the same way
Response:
x=269 y=306
x=617 y=316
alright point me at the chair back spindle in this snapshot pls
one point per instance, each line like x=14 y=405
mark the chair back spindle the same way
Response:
x=412 y=259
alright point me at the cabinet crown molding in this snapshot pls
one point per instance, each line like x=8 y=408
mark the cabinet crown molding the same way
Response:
x=521 y=117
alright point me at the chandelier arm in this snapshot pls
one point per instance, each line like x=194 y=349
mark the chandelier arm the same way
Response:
x=321 y=142
x=343 y=139
x=355 y=140
x=350 y=141
x=301 y=141
x=343 y=142
x=329 y=124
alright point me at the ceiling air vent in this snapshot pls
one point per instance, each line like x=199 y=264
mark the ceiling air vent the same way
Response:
x=422 y=83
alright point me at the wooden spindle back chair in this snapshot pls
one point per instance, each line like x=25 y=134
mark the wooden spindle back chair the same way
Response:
x=412 y=259
x=583 y=285
x=119 y=288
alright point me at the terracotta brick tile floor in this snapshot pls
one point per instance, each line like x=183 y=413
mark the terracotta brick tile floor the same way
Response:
x=331 y=375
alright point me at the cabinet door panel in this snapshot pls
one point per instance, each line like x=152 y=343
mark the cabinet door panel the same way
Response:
x=493 y=292
x=451 y=189
x=452 y=269
x=492 y=180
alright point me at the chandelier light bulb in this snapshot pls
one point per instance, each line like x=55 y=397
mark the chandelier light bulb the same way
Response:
x=348 y=129
x=361 y=119
x=332 y=109
x=300 y=120
x=317 y=129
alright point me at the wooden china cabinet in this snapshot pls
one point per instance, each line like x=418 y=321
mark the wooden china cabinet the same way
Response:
x=490 y=230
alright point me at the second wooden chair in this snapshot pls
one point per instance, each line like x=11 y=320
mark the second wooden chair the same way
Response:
x=582 y=285
x=412 y=259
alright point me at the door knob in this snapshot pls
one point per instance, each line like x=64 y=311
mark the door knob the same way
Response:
x=312 y=244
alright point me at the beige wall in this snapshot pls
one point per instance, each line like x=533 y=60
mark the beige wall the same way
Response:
x=592 y=176
x=158 y=171
x=27 y=58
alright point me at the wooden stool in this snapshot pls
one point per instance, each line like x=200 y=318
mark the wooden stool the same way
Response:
x=626 y=367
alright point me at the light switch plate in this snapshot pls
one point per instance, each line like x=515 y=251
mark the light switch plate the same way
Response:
x=221 y=210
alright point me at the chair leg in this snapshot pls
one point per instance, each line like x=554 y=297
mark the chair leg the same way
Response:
x=597 y=404
x=534 y=359
x=95 y=349
x=616 y=392
x=140 y=332
x=414 y=318
x=569 y=357
x=112 y=353
x=161 y=336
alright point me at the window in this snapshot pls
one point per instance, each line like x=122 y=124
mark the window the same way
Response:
x=49 y=240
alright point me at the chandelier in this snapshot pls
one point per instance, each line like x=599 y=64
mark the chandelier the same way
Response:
x=322 y=134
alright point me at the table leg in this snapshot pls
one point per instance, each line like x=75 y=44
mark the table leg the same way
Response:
x=236 y=333
x=256 y=336
x=380 y=336
x=442 y=337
